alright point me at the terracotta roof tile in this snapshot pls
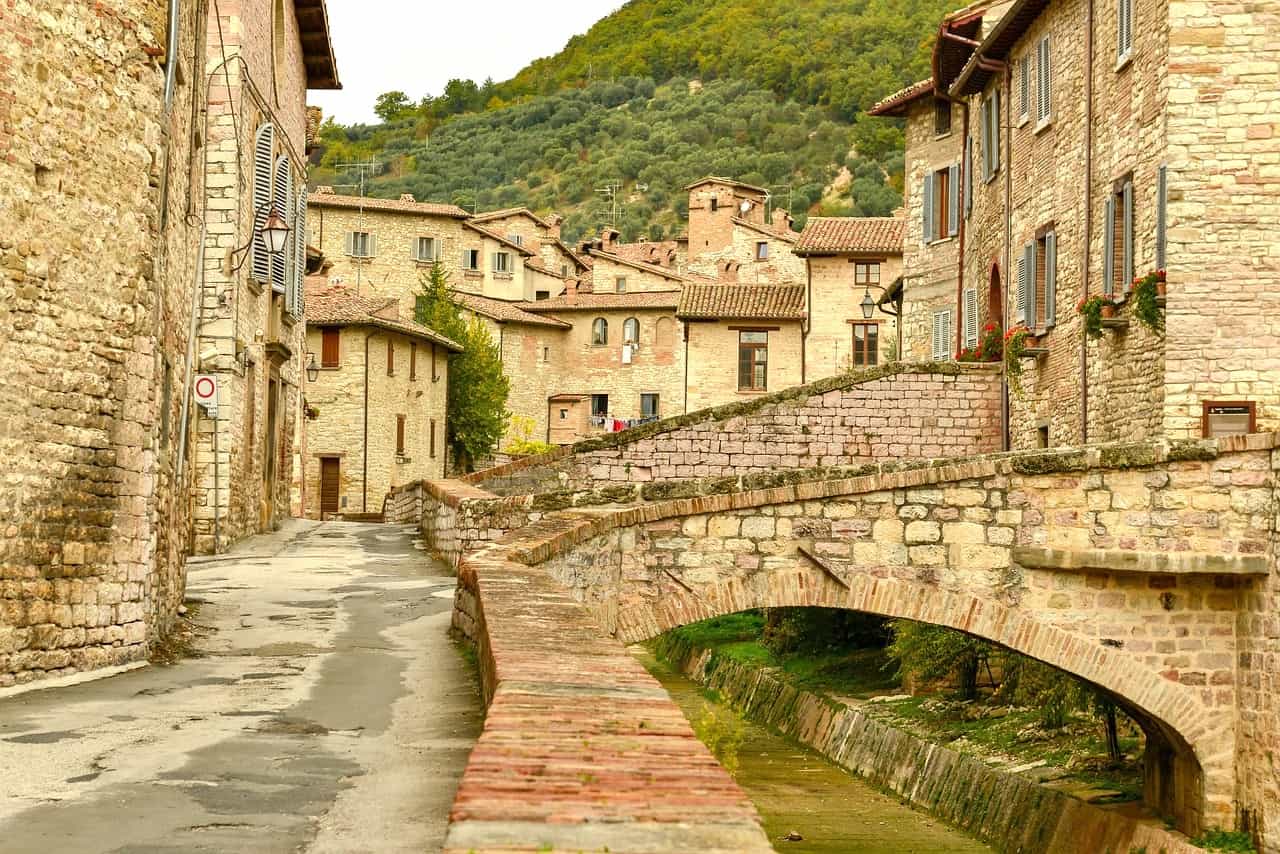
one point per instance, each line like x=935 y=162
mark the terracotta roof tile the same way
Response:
x=335 y=305
x=742 y=302
x=653 y=252
x=588 y=302
x=664 y=272
x=505 y=312
x=334 y=200
x=896 y=103
x=767 y=231
x=493 y=235
x=510 y=212
x=840 y=235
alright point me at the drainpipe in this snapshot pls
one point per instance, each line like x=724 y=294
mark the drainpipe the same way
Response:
x=1008 y=232
x=364 y=474
x=808 y=313
x=966 y=180
x=189 y=376
x=686 y=367
x=1088 y=216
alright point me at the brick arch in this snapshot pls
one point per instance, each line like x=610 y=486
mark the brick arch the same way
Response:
x=1170 y=718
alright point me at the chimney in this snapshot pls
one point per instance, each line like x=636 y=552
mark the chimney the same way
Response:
x=781 y=220
x=570 y=288
x=407 y=197
x=555 y=221
x=324 y=190
x=608 y=236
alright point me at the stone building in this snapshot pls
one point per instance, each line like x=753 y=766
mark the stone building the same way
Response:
x=730 y=239
x=262 y=56
x=851 y=263
x=376 y=411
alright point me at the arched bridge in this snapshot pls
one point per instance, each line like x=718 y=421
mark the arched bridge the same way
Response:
x=1146 y=569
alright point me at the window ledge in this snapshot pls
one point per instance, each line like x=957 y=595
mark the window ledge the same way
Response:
x=753 y=391
x=472 y=274
x=940 y=241
x=423 y=263
x=360 y=259
x=255 y=287
x=1124 y=62
x=504 y=276
x=1023 y=119
x=1043 y=125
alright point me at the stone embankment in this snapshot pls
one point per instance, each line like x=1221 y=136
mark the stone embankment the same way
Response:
x=1009 y=811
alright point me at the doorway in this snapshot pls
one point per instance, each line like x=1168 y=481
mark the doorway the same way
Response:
x=330 y=479
x=995 y=299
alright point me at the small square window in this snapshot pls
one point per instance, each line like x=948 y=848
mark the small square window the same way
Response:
x=649 y=405
x=762 y=250
x=620 y=284
x=941 y=117
x=600 y=405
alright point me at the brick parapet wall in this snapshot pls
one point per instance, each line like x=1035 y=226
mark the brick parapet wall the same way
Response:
x=891 y=412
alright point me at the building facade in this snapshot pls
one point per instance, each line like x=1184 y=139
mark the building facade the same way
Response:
x=376 y=412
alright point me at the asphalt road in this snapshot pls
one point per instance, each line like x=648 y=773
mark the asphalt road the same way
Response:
x=324 y=710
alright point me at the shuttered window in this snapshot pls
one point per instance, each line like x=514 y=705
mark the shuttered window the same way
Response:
x=1162 y=216
x=330 y=351
x=296 y=300
x=282 y=204
x=995 y=131
x=1126 y=199
x=263 y=162
x=391 y=357
x=1044 y=82
x=1030 y=285
x=471 y=259
x=432 y=446
x=400 y=435
x=362 y=244
x=1024 y=88
x=1124 y=30
x=927 y=209
x=985 y=122
x=968 y=176
x=1050 y=242
x=426 y=249
x=501 y=262
x=1108 y=249
x=953 y=200
x=1020 y=294
x=970 y=318
x=941 y=335
x=413 y=360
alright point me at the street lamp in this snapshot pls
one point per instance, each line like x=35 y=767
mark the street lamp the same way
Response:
x=868 y=305
x=275 y=231
x=313 y=370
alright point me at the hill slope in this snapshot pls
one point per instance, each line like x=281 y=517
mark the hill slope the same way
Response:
x=592 y=115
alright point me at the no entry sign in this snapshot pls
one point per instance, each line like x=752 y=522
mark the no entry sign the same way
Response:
x=207 y=392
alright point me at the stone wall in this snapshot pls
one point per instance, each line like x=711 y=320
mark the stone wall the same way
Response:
x=712 y=359
x=1009 y=811
x=835 y=304
x=892 y=412
x=96 y=265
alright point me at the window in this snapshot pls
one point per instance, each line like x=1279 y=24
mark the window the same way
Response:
x=564 y=271
x=753 y=360
x=600 y=405
x=435 y=378
x=762 y=250
x=330 y=352
x=431 y=447
x=517 y=239
x=941 y=209
x=1229 y=418
x=866 y=273
x=502 y=262
x=1117 y=255
x=941 y=335
x=941 y=117
x=1042 y=436
x=361 y=244
x=263 y=159
x=648 y=406
x=1044 y=84
x=538 y=296
x=631 y=331
x=599 y=332
x=968 y=176
x=620 y=284
x=1024 y=88
x=399 y=435
x=546 y=354
x=391 y=357
x=866 y=345
x=413 y=360
x=970 y=321
x=991 y=136
x=1124 y=31
x=282 y=205
x=471 y=259
x=1162 y=216
x=1047 y=280
x=715 y=204
x=427 y=249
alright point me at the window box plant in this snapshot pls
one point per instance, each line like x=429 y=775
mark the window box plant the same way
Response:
x=1015 y=350
x=1147 y=293
x=1092 y=310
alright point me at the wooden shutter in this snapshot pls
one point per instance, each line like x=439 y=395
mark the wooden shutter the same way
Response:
x=995 y=131
x=953 y=200
x=330 y=351
x=297 y=297
x=985 y=116
x=400 y=435
x=968 y=176
x=1044 y=82
x=927 y=213
x=1024 y=87
x=413 y=360
x=1020 y=298
x=351 y=243
x=1029 y=300
x=282 y=204
x=970 y=318
x=1162 y=215
x=1128 y=236
x=1124 y=28
x=1050 y=279
x=1108 y=249
x=433 y=438
x=263 y=161
x=391 y=356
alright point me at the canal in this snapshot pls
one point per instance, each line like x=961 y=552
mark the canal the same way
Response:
x=796 y=790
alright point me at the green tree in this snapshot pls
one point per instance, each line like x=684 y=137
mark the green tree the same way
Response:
x=393 y=105
x=930 y=652
x=477 y=405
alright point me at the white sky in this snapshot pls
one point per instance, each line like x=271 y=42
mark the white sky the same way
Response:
x=419 y=45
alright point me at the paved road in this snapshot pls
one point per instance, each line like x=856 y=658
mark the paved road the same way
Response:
x=326 y=711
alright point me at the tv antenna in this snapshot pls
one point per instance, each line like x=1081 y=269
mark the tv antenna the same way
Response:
x=366 y=169
x=612 y=191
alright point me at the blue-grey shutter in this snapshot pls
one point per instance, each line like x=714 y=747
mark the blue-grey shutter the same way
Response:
x=927 y=212
x=1109 y=248
x=1050 y=279
x=1044 y=78
x=263 y=162
x=1020 y=301
x=300 y=255
x=1162 y=215
x=282 y=204
x=995 y=131
x=1128 y=236
x=1029 y=308
x=968 y=176
x=953 y=200
x=985 y=121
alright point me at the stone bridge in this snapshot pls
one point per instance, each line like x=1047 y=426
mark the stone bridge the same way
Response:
x=1146 y=569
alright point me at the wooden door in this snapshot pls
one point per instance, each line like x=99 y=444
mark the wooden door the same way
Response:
x=330 y=467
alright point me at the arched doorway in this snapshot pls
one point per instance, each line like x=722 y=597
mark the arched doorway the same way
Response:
x=995 y=299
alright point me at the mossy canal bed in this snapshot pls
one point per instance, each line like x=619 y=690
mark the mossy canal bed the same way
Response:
x=796 y=790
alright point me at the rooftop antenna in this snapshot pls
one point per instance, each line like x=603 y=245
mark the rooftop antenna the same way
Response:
x=611 y=191
x=366 y=169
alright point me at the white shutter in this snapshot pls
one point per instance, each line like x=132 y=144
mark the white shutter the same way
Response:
x=1162 y=215
x=1109 y=248
x=970 y=318
x=281 y=204
x=1124 y=28
x=372 y=242
x=439 y=244
x=1044 y=101
x=968 y=176
x=927 y=211
x=300 y=257
x=1030 y=314
x=263 y=161
x=941 y=335
x=1050 y=279
x=1128 y=236
x=1020 y=298
x=351 y=243
x=953 y=200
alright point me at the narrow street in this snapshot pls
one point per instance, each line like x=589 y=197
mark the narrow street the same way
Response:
x=322 y=709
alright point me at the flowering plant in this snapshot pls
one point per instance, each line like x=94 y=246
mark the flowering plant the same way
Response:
x=1015 y=346
x=1146 y=293
x=990 y=346
x=1090 y=308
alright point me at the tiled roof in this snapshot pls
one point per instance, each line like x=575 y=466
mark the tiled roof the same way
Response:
x=664 y=272
x=317 y=46
x=505 y=312
x=742 y=302
x=895 y=103
x=589 y=302
x=997 y=45
x=335 y=200
x=712 y=179
x=335 y=305
x=653 y=252
x=840 y=235
x=788 y=236
x=510 y=212
x=510 y=244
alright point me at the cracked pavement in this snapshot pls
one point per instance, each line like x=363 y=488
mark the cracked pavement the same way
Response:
x=324 y=710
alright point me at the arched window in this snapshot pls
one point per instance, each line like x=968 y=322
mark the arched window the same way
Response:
x=664 y=334
x=600 y=331
x=631 y=331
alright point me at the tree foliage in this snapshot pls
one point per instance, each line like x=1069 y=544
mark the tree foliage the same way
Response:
x=477 y=401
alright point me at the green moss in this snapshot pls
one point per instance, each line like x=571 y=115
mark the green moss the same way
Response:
x=1127 y=456
x=1184 y=450
x=1050 y=462
x=549 y=501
